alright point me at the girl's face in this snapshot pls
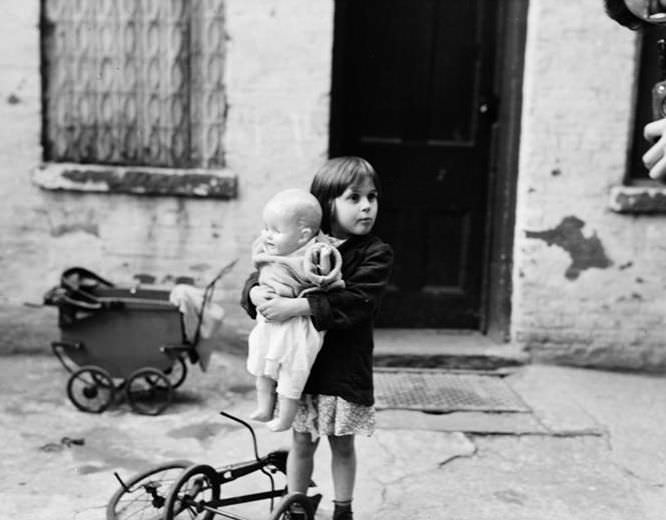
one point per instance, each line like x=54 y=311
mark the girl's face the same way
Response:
x=355 y=211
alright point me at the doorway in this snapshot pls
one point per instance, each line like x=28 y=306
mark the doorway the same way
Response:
x=415 y=90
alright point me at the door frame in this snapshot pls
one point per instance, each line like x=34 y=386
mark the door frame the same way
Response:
x=496 y=287
x=496 y=292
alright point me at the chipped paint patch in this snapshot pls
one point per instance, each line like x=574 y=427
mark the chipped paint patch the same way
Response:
x=585 y=252
x=144 y=278
x=63 y=229
x=198 y=182
x=638 y=199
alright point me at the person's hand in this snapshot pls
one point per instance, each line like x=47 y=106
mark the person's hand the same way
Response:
x=655 y=158
x=259 y=295
x=281 y=309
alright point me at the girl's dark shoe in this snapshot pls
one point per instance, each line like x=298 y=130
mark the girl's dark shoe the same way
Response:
x=296 y=512
x=343 y=515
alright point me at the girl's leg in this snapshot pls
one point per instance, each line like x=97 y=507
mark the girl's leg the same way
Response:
x=265 y=399
x=300 y=462
x=343 y=468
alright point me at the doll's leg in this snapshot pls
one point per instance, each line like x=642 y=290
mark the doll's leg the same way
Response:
x=286 y=413
x=289 y=387
x=265 y=399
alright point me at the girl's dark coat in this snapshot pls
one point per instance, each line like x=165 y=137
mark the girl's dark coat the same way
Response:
x=344 y=365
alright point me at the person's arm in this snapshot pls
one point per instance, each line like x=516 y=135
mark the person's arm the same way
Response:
x=340 y=308
x=282 y=308
x=246 y=301
x=655 y=158
x=359 y=299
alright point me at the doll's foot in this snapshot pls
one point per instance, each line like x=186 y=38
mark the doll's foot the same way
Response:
x=278 y=425
x=261 y=416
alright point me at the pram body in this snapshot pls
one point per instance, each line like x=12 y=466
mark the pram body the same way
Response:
x=128 y=339
x=123 y=334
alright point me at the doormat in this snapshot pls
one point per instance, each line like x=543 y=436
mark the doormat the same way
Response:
x=442 y=392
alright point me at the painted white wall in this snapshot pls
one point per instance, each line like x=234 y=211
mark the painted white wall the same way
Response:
x=577 y=110
x=577 y=116
x=278 y=81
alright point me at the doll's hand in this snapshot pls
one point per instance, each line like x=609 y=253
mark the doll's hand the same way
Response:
x=259 y=295
x=655 y=158
x=281 y=309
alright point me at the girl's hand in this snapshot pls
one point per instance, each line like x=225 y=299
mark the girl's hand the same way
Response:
x=259 y=295
x=281 y=309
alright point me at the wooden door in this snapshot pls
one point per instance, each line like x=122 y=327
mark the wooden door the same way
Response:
x=412 y=94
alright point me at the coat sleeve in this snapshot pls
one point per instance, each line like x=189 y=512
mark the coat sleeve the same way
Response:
x=359 y=300
x=245 y=301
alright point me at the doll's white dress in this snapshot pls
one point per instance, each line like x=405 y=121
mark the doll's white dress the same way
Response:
x=285 y=351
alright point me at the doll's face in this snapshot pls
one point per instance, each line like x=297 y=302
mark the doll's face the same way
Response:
x=282 y=232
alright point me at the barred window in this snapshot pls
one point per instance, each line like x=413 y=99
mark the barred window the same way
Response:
x=134 y=82
x=648 y=75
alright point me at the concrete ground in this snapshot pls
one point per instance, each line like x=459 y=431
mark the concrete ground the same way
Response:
x=593 y=447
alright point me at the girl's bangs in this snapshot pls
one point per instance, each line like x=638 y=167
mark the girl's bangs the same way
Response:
x=356 y=175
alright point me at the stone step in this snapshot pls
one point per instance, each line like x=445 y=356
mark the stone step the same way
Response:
x=444 y=349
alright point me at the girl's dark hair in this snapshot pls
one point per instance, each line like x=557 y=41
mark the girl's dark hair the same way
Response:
x=619 y=12
x=334 y=177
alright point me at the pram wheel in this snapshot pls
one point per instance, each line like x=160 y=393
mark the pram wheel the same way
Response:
x=294 y=506
x=91 y=389
x=144 y=495
x=177 y=372
x=196 y=487
x=148 y=391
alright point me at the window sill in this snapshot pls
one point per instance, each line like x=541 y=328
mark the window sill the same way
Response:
x=641 y=197
x=181 y=182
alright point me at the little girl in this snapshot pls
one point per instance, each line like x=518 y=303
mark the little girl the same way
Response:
x=291 y=258
x=338 y=399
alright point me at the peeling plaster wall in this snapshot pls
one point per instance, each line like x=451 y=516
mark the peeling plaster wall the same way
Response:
x=277 y=80
x=588 y=283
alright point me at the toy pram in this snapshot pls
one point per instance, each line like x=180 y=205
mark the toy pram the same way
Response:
x=117 y=340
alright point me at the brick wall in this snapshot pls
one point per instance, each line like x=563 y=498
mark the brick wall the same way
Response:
x=588 y=283
x=277 y=80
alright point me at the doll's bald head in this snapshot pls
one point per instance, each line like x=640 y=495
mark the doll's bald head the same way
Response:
x=297 y=206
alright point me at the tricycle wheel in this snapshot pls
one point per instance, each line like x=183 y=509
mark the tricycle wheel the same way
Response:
x=148 y=391
x=292 y=506
x=177 y=372
x=196 y=489
x=91 y=389
x=143 y=496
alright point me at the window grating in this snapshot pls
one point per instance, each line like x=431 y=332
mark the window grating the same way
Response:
x=134 y=82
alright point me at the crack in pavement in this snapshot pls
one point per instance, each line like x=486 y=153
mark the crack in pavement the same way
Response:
x=405 y=477
x=461 y=455
x=638 y=477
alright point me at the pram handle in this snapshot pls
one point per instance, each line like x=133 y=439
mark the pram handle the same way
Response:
x=208 y=296
x=222 y=272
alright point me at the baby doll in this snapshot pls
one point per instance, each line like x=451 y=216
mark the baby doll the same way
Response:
x=292 y=259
